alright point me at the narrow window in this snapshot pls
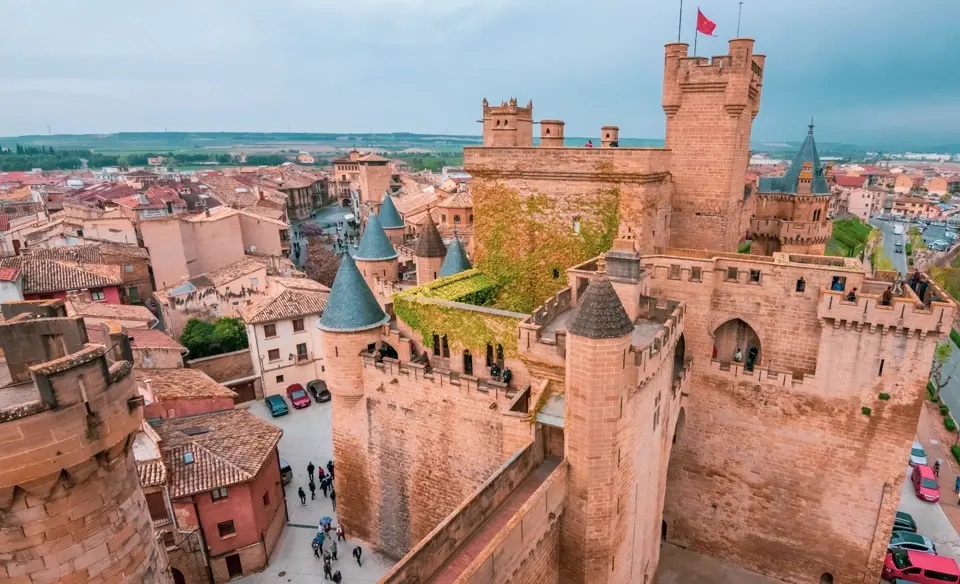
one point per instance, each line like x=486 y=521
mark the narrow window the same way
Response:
x=556 y=274
x=801 y=285
x=489 y=355
x=279 y=378
x=696 y=274
x=226 y=528
x=732 y=274
x=879 y=373
x=446 y=347
x=674 y=272
x=266 y=499
x=436 y=345
x=218 y=494
x=499 y=352
x=755 y=276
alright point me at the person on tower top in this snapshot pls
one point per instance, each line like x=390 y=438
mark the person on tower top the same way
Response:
x=589 y=144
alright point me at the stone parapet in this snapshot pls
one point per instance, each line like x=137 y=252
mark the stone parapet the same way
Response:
x=639 y=165
x=791 y=231
x=906 y=313
x=761 y=375
x=387 y=369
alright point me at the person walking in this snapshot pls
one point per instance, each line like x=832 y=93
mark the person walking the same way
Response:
x=333 y=498
x=330 y=468
x=327 y=570
x=313 y=490
x=337 y=578
x=316 y=548
x=303 y=496
x=320 y=474
x=310 y=469
x=343 y=537
x=357 y=552
x=325 y=486
x=956 y=485
x=936 y=467
x=333 y=548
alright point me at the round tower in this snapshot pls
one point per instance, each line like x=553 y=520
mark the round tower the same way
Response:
x=551 y=134
x=429 y=252
x=609 y=135
x=70 y=499
x=597 y=376
x=456 y=260
x=375 y=256
x=391 y=221
x=351 y=324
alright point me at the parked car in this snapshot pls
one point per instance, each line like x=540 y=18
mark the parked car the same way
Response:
x=904 y=540
x=318 y=389
x=276 y=405
x=286 y=472
x=298 y=396
x=925 y=483
x=904 y=522
x=917 y=454
x=920 y=567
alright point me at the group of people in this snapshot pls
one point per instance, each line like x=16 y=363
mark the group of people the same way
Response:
x=326 y=484
x=329 y=555
x=613 y=144
x=505 y=375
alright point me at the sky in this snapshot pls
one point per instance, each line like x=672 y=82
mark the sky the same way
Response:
x=868 y=71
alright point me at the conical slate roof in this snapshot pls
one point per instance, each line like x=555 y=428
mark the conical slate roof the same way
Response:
x=601 y=314
x=351 y=305
x=389 y=216
x=375 y=245
x=788 y=182
x=430 y=244
x=456 y=260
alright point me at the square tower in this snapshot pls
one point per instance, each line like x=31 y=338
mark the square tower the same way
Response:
x=507 y=124
x=710 y=105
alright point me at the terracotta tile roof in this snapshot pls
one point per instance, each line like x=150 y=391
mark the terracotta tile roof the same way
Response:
x=264 y=211
x=181 y=384
x=139 y=338
x=42 y=276
x=460 y=200
x=231 y=272
x=156 y=197
x=215 y=214
x=102 y=310
x=225 y=367
x=304 y=284
x=88 y=254
x=153 y=473
x=9 y=274
x=411 y=202
x=850 y=181
x=262 y=217
x=4 y=222
x=226 y=448
x=230 y=190
x=285 y=305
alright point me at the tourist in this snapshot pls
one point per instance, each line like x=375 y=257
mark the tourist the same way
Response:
x=333 y=498
x=324 y=485
x=936 y=467
x=316 y=547
x=310 y=469
x=738 y=355
x=589 y=144
x=615 y=144
x=357 y=552
x=852 y=296
x=915 y=280
x=752 y=354
x=837 y=285
x=330 y=468
x=333 y=548
x=303 y=496
x=321 y=473
x=313 y=490
x=343 y=536
x=887 y=297
x=337 y=578
x=495 y=372
x=507 y=375
x=956 y=485
x=327 y=570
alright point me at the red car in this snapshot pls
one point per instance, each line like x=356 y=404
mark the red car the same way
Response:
x=298 y=396
x=925 y=483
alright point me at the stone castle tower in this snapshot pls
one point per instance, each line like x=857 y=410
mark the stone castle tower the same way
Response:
x=710 y=106
x=71 y=507
x=429 y=253
x=507 y=124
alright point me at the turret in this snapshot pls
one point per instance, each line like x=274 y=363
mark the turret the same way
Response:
x=551 y=134
x=375 y=256
x=429 y=253
x=456 y=260
x=351 y=324
x=70 y=498
x=609 y=135
x=507 y=125
x=391 y=221
x=598 y=367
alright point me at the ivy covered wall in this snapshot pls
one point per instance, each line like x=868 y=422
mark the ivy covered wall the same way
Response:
x=526 y=242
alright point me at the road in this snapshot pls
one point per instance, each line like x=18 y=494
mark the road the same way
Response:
x=889 y=240
x=951 y=393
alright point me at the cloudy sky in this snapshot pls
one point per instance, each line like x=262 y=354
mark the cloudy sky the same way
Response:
x=868 y=70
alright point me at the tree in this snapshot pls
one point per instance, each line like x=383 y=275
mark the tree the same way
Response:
x=198 y=338
x=321 y=264
x=230 y=334
x=940 y=358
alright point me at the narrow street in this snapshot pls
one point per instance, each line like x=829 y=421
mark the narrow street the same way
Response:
x=889 y=240
x=939 y=522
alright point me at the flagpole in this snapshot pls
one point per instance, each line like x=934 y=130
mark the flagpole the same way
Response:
x=696 y=34
x=739 y=12
x=680 y=21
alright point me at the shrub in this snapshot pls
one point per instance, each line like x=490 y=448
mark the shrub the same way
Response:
x=884 y=396
x=931 y=392
x=744 y=247
x=944 y=409
x=865 y=411
x=955 y=450
x=949 y=424
x=955 y=337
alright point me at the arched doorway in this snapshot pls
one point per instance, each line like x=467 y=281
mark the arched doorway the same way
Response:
x=735 y=341
x=678 y=356
x=678 y=428
x=386 y=350
x=467 y=362
x=663 y=532
x=178 y=576
x=826 y=578
x=346 y=202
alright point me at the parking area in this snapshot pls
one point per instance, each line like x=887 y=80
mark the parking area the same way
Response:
x=307 y=437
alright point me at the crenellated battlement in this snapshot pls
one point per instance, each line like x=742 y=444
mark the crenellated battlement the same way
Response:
x=905 y=313
x=738 y=75
x=381 y=374
x=791 y=231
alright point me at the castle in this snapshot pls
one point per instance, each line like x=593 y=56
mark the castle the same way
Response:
x=662 y=387
x=71 y=507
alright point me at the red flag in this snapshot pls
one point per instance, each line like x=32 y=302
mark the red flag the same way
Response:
x=704 y=24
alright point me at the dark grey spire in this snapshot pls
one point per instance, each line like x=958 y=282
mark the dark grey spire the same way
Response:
x=351 y=305
x=389 y=216
x=600 y=314
x=375 y=245
x=456 y=260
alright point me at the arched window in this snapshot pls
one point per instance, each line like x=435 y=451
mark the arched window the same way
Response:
x=801 y=285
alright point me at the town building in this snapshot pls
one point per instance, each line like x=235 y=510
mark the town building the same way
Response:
x=662 y=388
x=176 y=392
x=285 y=345
x=47 y=279
x=233 y=370
x=151 y=349
x=914 y=207
x=360 y=178
x=70 y=501
x=134 y=262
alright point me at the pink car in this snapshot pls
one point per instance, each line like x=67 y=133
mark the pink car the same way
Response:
x=298 y=396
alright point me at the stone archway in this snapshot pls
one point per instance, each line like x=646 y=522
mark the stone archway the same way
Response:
x=735 y=341
x=679 y=353
x=178 y=576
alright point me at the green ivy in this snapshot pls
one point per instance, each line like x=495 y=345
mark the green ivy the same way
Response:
x=529 y=241
x=464 y=329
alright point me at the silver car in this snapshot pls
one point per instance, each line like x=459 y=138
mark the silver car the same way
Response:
x=900 y=540
x=917 y=454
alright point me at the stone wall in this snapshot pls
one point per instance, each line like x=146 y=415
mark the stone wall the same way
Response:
x=435 y=549
x=431 y=441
